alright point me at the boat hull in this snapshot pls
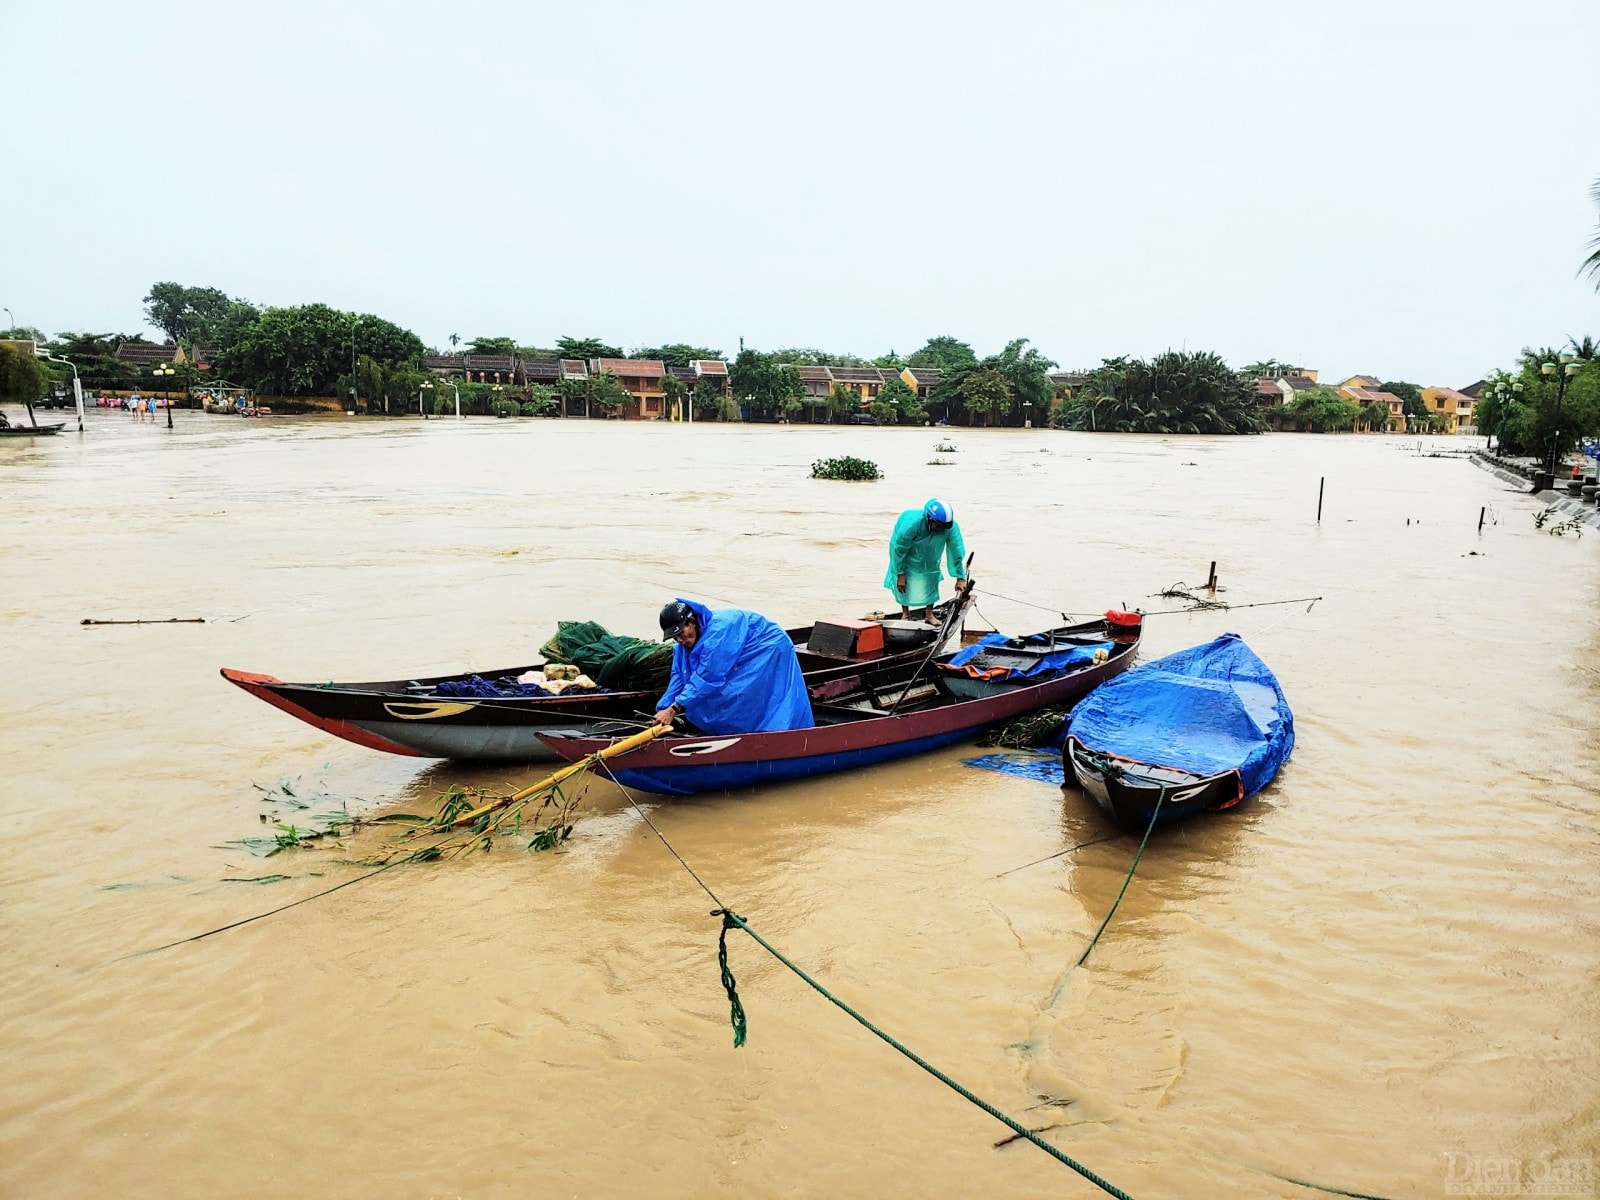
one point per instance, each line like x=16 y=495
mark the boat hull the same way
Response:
x=1196 y=731
x=1130 y=792
x=687 y=765
x=400 y=716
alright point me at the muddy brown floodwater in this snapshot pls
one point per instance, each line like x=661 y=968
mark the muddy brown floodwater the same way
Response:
x=1379 y=975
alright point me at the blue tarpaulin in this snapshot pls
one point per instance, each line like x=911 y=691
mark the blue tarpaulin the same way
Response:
x=742 y=675
x=1046 y=768
x=1060 y=660
x=1207 y=709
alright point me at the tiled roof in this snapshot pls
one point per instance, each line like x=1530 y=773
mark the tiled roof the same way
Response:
x=489 y=362
x=683 y=374
x=1300 y=383
x=1451 y=394
x=1066 y=378
x=536 y=370
x=1475 y=389
x=574 y=368
x=927 y=376
x=709 y=366
x=815 y=375
x=632 y=368
x=442 y=362
x=1371 y=395
x=859 y=374
x=144 y=352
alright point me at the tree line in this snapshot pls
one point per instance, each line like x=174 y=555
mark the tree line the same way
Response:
x=314 y=350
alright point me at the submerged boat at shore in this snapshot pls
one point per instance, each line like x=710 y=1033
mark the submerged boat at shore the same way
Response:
x=458 y=716
x=1196 y=731
x=881 y=712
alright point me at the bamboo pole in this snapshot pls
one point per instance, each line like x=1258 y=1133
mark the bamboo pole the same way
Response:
x=566 y=772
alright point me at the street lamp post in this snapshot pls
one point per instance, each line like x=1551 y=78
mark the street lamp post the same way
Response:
x=165 y=371
x=77 y=387
x=456 y=388
x=1567 y=368
x=425 y=390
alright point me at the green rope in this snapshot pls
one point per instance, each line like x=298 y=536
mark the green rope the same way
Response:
x=1154 y=813
x=741 y=1027
x=730 y=919
x=1318 y=1187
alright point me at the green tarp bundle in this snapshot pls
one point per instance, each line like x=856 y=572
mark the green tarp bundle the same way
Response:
x=624 y=664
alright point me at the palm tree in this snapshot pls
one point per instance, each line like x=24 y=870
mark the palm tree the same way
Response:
x=1588 y=349
x=1591 y=265
x=454 y=338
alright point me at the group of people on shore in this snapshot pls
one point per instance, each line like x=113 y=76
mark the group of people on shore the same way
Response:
x=142 y=407
x=735 y=671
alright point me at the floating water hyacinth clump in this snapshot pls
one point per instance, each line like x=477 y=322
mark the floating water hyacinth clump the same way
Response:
x=845 y=467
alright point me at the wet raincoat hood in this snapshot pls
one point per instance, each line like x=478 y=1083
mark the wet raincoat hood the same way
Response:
x=741 y=675
x=915 y=550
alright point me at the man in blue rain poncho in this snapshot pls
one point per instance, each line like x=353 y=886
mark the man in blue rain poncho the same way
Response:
x=920 y=537
x=732 y=672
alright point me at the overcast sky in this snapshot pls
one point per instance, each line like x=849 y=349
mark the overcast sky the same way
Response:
x=1399 y=188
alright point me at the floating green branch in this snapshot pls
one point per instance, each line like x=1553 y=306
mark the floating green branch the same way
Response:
x=1571 y=525
x=1029 y=732
x=845 y=467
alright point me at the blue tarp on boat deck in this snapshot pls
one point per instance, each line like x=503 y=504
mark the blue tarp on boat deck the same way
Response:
x=1067 y=656
x=1207 y=709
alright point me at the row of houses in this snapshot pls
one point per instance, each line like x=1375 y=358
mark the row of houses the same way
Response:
x=642 y=379
x=1455 y=407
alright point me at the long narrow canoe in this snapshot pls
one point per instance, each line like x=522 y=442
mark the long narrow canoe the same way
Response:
x=409 y=716
x=884 y=713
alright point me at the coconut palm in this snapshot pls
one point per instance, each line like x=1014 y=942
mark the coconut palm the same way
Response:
x=1591 y=265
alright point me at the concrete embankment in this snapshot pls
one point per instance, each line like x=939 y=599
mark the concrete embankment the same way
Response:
x=1522 y=473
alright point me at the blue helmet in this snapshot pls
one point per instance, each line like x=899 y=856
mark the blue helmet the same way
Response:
x=939 y=513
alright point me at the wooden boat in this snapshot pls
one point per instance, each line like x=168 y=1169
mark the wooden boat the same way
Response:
x=409 y=716
x=881 y=713
x=1194 y=732
x=31 y=430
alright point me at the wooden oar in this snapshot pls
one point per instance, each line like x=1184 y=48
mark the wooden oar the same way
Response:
x=566 y=772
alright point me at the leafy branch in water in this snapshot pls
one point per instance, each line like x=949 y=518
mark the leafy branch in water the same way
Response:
x=845 y=467
x=1571 y=525
x=467 y=819
x=1029 y=732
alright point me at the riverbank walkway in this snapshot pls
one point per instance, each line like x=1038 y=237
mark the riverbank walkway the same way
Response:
x=1581 y=502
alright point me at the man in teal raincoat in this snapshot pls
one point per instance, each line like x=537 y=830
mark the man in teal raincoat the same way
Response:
x=920 y=537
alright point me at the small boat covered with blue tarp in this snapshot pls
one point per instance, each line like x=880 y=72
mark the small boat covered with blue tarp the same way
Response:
x=1193 y=732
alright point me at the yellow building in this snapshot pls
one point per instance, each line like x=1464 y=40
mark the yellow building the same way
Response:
x=1456 y=407
x=1364 y=396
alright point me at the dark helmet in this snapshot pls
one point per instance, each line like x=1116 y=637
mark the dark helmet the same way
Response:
x=674 y=617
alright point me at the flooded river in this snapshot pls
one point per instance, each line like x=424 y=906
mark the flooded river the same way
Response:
x=1378 y=976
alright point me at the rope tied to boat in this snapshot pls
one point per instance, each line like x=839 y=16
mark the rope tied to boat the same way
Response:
x=741 y=1027
x=732 y=920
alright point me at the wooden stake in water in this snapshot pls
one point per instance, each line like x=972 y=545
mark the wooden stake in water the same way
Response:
x=1481 y=511
x=1321 y=480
